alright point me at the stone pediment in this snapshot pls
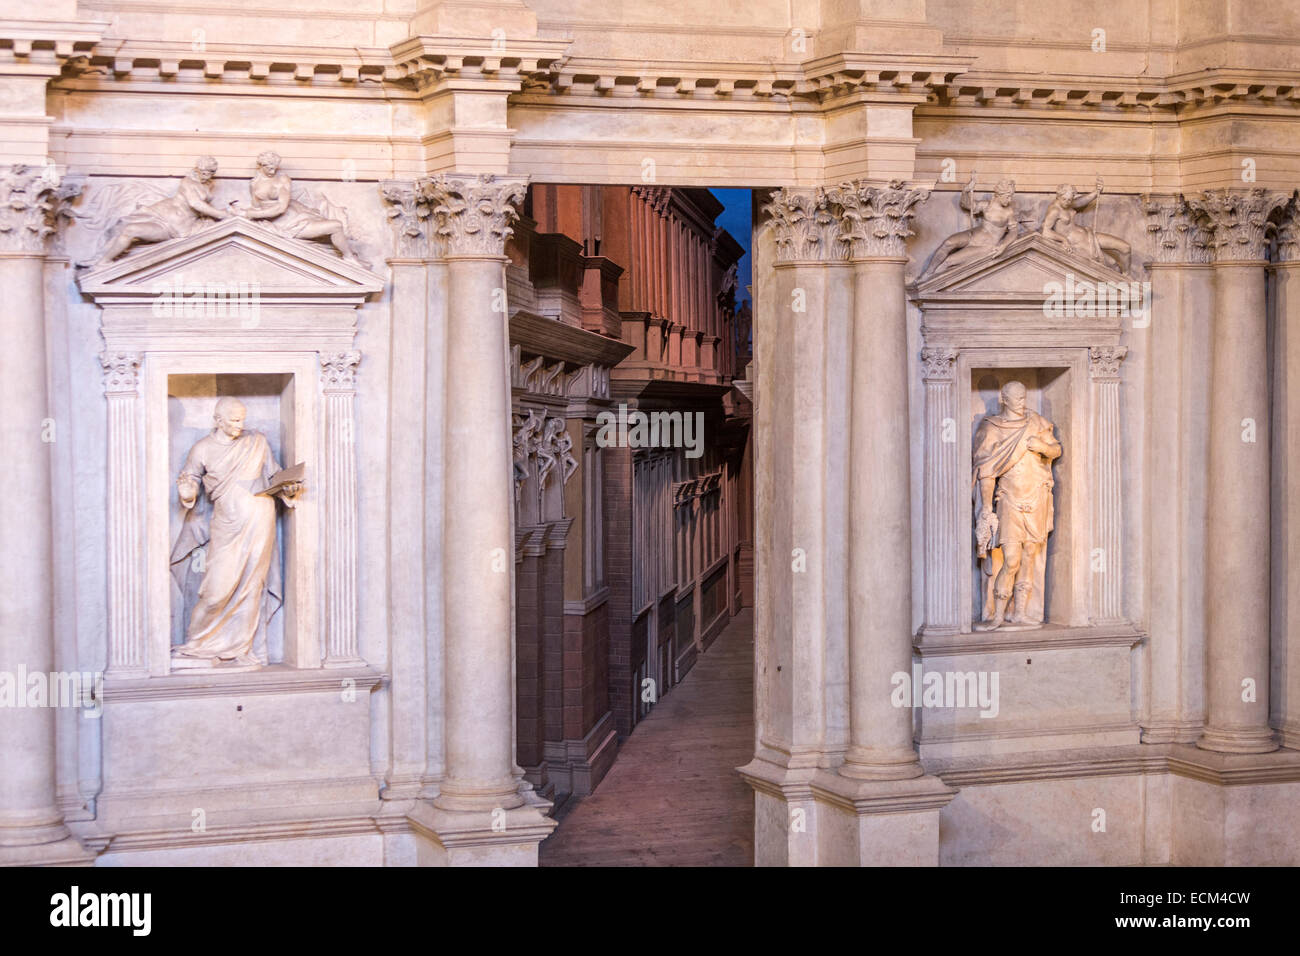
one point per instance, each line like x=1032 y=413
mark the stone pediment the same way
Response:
x=233 y=251
x=1024 y=275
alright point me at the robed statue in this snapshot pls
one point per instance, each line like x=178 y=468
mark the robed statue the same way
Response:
x=234 y=582
x=1012 y=459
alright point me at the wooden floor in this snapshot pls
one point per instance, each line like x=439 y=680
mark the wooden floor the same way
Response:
x=673 y=797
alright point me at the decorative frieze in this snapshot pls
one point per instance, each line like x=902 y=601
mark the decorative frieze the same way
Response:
x=876 y=220
x=32 y=201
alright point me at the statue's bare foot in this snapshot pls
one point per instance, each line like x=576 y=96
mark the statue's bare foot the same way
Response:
x=987 y=625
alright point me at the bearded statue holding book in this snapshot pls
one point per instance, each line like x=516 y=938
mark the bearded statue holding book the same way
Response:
x=225 y=559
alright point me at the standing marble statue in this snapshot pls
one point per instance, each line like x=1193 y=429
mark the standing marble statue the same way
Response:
x=169 y=218
x=993 y=226
x=1012 y=460
x=1059 y=226
x=240 y=586
x=271 y=192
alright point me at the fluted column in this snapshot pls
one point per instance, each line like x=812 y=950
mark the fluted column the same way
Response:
x=1286 y=440
x=1107 y=594
x=339 y=481
x=127 y=654
x=29 y=815
x=880 y=514
x=474 y=216
x=1238 y=511
x=1177 y=427
x=942 y=585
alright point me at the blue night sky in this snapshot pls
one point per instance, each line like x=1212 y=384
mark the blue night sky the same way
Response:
x=735 y=219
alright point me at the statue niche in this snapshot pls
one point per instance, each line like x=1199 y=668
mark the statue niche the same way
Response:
x=1012 y=475
x=234 y=588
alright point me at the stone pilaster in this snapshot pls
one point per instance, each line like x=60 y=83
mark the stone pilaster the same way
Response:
x=127 y=644
x=839 y=253
x=1238 y=507
x=31 y=825
x=1106 y=593
x=339 y=481
x=942 y=585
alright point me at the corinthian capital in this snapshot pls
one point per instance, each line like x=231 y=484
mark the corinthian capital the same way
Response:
x=32 y=198
x=472 y=215
x=805 y=224
x=1103 y=362
x=338 y=370
x=1178 y=232
x=121 y=371
x=1288 y=231
x=1240 y=218
x=876 y=220
x=411 y=218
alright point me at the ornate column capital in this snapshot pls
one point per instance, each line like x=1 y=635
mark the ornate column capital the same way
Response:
x=1288 y=231
x=32 y=200
x=806 y=226
x=876 y=220
x=472 y=215
x=1179 y=233
x=1240 y=218
x=938 y=363
x=339 y=371
x=121 y=372
x=1103 y=362
x=409 y=213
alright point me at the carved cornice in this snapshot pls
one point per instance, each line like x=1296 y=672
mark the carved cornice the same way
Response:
x=938 y=363
x=121 y=372
x=1240 y=218
x=1104 y=360
x=876 y=219
x=472 y=215
x=32 y=201
x=1178 y=232
x=806 y=227
x=338 y=371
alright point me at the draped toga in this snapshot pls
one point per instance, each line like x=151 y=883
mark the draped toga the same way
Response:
x=240 y=589
x=1023 y=498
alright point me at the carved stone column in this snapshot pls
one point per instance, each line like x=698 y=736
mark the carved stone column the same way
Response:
x=127 y=644
x=1177 y=430
x=1106 y=603
x=339 y=486
x=31 y=826
x=473 y=217
x=877 y=224
x=1286 y=482
x=942 y=534
x=1238 y=511
x=801 y=346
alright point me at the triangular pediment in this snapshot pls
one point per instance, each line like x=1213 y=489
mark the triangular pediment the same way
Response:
x=1024 y=273
x=233 y=251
